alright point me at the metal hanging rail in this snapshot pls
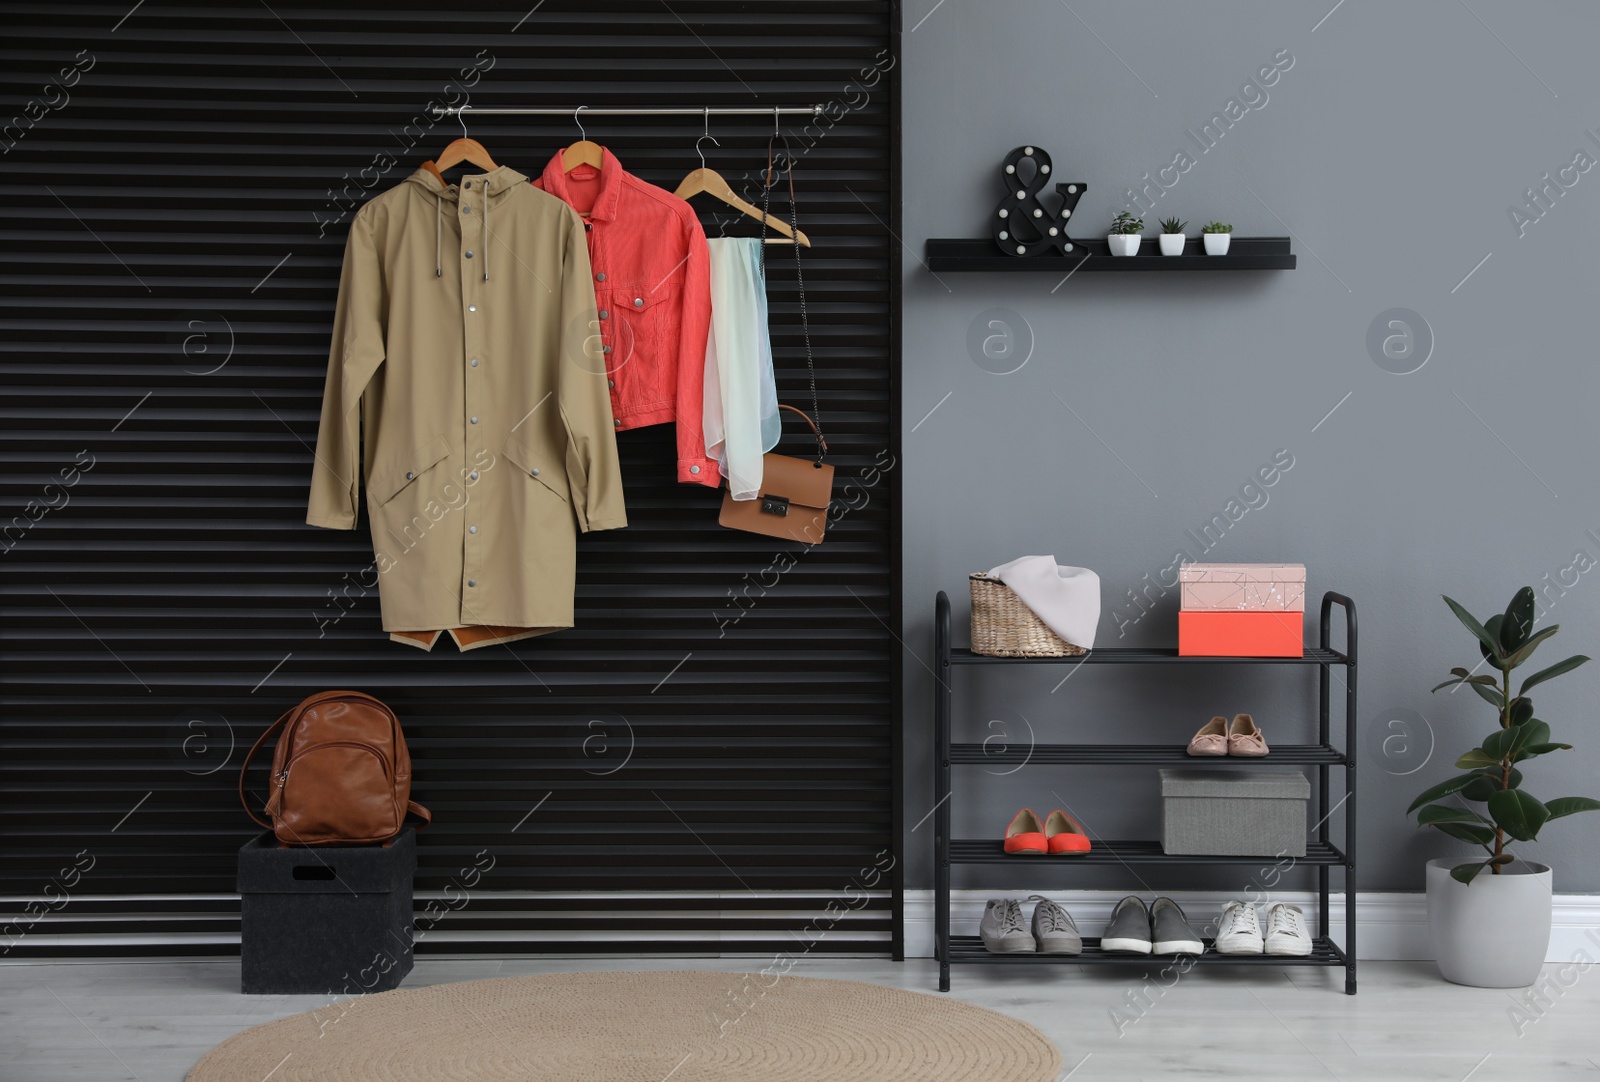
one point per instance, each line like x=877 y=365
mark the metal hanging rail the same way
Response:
x=777 y=110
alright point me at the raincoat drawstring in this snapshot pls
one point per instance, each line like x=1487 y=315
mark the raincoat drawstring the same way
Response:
x=484 y=218
x=438 y=234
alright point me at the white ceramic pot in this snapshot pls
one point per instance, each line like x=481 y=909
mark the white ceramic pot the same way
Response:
x=1217 y=243
x=1123 y=243
x=1172 y=243
x=1494 y=931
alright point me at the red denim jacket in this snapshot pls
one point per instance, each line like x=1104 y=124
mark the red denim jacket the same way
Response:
x=652 y=286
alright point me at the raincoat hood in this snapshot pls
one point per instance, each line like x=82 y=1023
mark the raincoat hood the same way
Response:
x=481 y=192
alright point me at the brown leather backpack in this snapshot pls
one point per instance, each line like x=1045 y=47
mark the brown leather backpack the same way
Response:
x=341 y=774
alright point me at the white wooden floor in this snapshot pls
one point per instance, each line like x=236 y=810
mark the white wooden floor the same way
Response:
x=150 y=1021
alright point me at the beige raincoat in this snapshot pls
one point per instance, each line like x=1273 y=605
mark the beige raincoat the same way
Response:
x=464 y=385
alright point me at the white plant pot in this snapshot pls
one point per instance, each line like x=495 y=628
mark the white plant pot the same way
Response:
x=1494 y=931
x=1123 y=243
x=1172 y=243
x=1217 y=243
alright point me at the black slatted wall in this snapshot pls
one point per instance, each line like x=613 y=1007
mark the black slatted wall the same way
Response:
x=706 y=762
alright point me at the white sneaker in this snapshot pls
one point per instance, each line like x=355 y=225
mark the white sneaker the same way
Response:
x=1286 y=931
x=1239 y=932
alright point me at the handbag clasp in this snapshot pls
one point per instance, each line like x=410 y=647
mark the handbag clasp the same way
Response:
x=775 y=505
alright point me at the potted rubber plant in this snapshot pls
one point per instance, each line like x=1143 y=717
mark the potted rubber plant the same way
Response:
x=1172 y=237
x=1489 y=918
x=1124 y=236
x=1218 y=236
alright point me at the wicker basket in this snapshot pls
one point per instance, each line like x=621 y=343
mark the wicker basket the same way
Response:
x=1002 y=626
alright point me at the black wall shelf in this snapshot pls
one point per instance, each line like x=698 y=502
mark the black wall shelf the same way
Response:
x=1245 y=253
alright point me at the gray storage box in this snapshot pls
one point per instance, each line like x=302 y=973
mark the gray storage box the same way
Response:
x=1234 y=813
x=329 y=919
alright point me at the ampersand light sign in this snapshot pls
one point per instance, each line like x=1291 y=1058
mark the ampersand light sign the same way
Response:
x=1023 y=225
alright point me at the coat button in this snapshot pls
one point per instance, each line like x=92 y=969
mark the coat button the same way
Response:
x=473 y=476
x=638 y=302
x=474 y=420
x=466 y=210
x=474 y=362
x=469 y=253
x=410 y=476
x=694 y=469
x=534 y=472
x=472 y=307
x=472 y=529
x=600 y=277
x=472 y=582
x=604 y=314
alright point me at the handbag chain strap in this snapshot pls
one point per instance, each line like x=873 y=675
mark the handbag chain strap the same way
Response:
x=768 y=180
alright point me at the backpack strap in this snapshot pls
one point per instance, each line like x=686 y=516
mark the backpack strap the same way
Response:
x=243 y=770
x=420 y=812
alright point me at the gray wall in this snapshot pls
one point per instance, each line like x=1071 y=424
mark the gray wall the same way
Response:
x=1391 y=149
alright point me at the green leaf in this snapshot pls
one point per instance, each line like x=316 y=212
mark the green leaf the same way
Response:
x=1466 y=873
x=1525 y=651
x=1470 y=622
x=1518 y=814
x=1443 y=813
x=1467 y=832
x=1483 y=786
x=1493 y=774
x=1534 y=734
x=1495 y=744
x=1521 y=709
x=1474 y=758
x=1463 y=677
x=1503 y=859
x=1517 y=623
x=1570 y=805
x=1444 y=788
x=1534 y=750
x=1553 y=671
x=1496 y=656
x=1490 y=695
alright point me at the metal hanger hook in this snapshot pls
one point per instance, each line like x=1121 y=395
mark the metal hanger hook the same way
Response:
x=703 y=138
x=702 y=153
x=581 y=133
x=461 y=117
x=775 y=120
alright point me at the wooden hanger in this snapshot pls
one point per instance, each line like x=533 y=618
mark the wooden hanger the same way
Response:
x=464 y=149
x=710 y=182
x=583 y=152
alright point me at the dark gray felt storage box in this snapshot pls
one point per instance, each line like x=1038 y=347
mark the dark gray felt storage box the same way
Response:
x=325 y=919
x=1234 y=813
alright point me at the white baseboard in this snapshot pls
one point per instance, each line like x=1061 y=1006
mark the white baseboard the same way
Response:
x=1389 y=926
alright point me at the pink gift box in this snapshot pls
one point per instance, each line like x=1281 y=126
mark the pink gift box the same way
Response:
x=1243 y=587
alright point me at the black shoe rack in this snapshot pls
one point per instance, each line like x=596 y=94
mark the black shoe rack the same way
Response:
x=1321 y=853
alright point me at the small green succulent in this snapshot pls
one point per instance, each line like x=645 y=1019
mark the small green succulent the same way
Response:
x=1125 y=224
x=1217 y=227
x=1172 y=225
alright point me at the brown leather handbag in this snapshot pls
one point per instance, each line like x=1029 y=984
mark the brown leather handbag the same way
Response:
x=341 y=774
x=792 y=503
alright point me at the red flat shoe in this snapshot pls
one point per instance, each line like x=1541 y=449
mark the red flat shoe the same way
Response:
x=1063 y=835
x=1025 y=835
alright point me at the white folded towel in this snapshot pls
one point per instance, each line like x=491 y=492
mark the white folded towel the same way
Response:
x=1067 y=599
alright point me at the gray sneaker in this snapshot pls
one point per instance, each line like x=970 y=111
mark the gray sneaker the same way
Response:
x=1129 y=929
x=1002 y=930
x=1172 y=932
x=1053 y=928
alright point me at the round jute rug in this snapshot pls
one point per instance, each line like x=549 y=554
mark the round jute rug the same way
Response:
x=640 y=1027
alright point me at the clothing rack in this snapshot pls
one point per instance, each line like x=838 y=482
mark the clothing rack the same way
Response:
x=743 y=110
